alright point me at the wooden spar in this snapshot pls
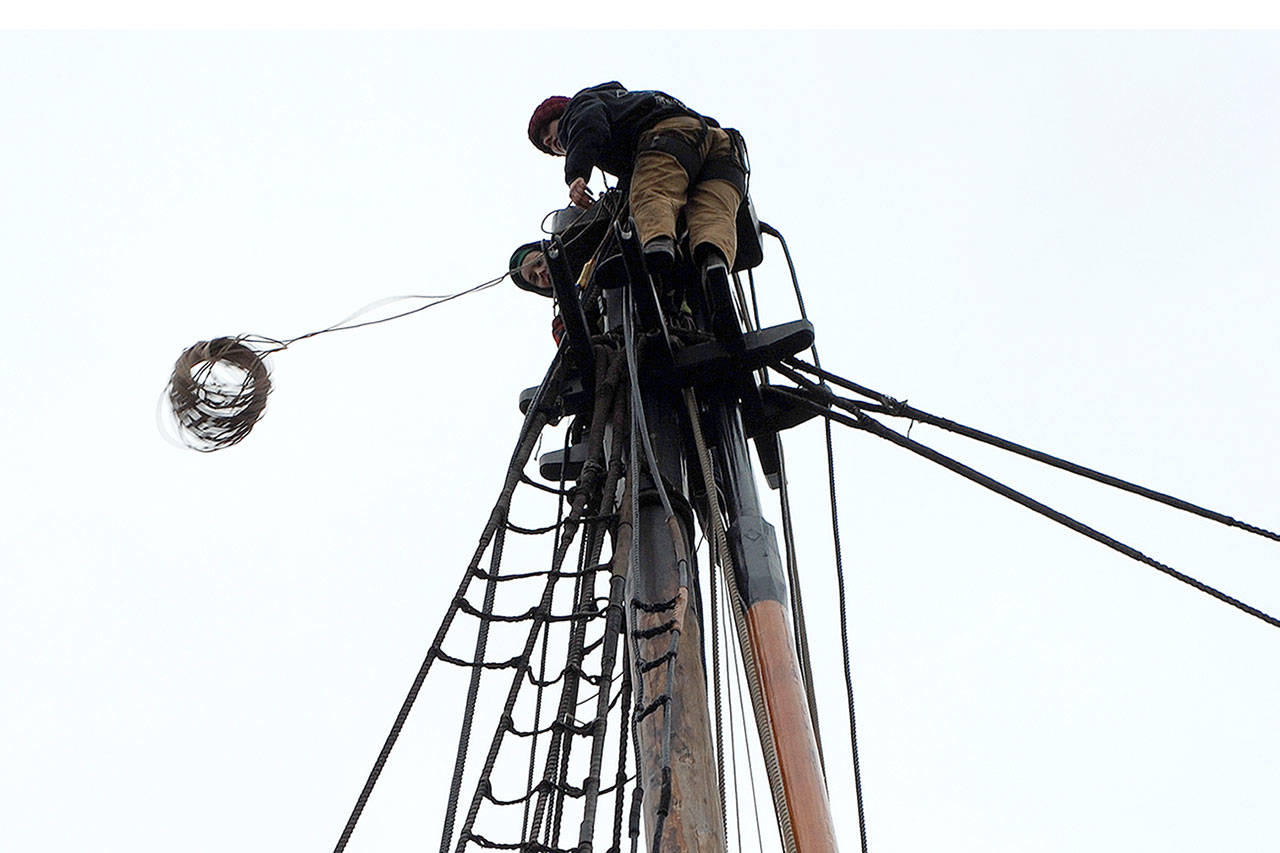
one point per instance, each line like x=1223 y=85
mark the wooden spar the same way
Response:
x=763 y=588
x=804 y=787
x=693 y=820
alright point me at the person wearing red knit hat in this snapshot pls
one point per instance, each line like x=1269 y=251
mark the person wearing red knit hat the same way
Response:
x=670 y=157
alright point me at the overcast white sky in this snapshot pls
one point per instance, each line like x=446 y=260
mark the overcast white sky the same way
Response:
x=1065 y=238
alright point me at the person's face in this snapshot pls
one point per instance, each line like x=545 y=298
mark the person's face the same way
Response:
x=533 y=269
x=551 y=137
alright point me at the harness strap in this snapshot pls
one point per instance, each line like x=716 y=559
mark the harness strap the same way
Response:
x=686 y=153
x=725 y=169
x=689 y=156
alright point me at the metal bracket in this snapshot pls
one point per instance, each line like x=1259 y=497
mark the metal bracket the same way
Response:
x=554 y=467
x=574 y=399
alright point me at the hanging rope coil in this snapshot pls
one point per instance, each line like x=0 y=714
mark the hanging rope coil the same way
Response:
x=217 y=392
x=218 y=389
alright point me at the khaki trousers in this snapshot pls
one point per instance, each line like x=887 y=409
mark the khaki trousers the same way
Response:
x=660 y=189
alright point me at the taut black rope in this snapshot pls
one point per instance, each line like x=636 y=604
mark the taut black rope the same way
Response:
x=868 y=424
x=896 y=408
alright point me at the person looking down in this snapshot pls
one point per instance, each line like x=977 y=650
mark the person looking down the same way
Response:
x=672 y=159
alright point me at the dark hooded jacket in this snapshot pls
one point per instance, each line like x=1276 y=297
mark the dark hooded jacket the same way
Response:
x=601 y=127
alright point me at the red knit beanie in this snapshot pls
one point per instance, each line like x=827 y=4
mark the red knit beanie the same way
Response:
x=548 y=111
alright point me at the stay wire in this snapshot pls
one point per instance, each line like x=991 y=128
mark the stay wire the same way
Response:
x=633 y=642
x=733 y=739
x=584 y=595
x=637 y=407
x=614 y=626
x=898 y=408
x=715 y=681
x=868 y=424
x=620 y=793
x=739 y=667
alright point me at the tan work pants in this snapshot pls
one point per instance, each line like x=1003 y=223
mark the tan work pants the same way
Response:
x=660 y=189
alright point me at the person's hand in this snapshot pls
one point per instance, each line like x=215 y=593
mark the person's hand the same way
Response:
x=579 y=194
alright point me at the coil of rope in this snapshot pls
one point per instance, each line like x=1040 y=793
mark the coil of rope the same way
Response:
x=218 y=389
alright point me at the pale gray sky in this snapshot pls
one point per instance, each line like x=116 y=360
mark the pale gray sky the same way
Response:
x=1065 y=238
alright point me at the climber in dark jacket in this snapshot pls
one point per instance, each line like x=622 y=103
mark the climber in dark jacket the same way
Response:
x=673 y=159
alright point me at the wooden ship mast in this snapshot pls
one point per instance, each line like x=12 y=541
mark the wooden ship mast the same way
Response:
x=661 y=414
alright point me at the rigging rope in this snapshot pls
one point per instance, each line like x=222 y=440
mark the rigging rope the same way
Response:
x=613 y=629
x=835 y=530
x=897 y=408
x=585 y=502
x=535 y=419
x=591 y=505
x=864 y=422
x=218 y=389
x=593 y=471
x=768 y=746
x=541 y=681
x=799 y=624
x=715 y=681
x=844 y=636
x=735 y=652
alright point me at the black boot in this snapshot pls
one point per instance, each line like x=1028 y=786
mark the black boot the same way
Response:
x=660 y=255
x=715 y=284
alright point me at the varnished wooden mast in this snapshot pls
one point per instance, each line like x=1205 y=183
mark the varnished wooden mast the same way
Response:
x=763 y=589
